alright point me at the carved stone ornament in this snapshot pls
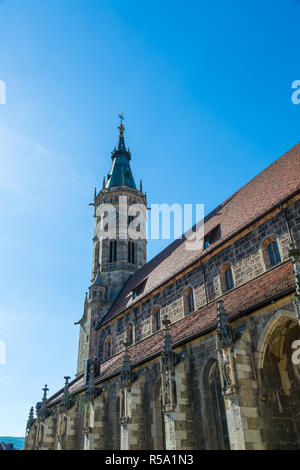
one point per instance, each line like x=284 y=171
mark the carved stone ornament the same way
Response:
x=226 y=336
x=168 y=361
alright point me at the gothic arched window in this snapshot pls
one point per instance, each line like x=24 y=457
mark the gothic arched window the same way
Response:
x=271 y=252
x=159 y=434
x=156 y=325
x=107 y=348
x=219 y=432
x=226 y=278
x=188 y=300
x=129 y=334
x=131 y=253
x=113 y=251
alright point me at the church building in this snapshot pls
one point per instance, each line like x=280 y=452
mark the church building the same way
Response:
x=195 y=349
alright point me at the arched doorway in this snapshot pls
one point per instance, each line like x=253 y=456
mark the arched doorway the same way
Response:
x=279 y=385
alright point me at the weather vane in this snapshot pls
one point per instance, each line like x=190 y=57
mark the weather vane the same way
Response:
x=121 y=116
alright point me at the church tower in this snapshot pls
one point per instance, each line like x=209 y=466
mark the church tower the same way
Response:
x=119 y=243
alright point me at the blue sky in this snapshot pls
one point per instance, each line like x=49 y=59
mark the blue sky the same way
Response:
x=206 y=88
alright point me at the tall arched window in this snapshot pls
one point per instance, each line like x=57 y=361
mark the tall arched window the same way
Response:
x=156 y=324
x=129 y=334
x=226 y=278
x=188 y=301
x=131 y=253
x=218 y=430
x=113 y=251
x=107 y=348
x=271 y=252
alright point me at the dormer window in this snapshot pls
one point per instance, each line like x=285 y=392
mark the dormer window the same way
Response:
x=139 y=289
x=212 y=237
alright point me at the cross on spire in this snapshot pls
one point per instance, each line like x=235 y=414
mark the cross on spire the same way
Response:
x=121 y=126
x=120 y=173
x=45 y=390
x=121 y=116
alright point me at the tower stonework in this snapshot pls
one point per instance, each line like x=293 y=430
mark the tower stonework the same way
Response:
x=116 y=254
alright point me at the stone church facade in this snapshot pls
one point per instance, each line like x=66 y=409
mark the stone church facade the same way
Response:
x=196 y=349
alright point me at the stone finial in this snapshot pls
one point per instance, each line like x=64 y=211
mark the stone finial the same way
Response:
x=38 y=409
x=91 y=379
x=166 y=322
x=167 y=351
x=126 y=375
x=95 y=194
x=44 y=401
x=224 y=330
x=141 y=186
x=295 y=255
x=30 y=419
x=294 y=252
x=65 y=399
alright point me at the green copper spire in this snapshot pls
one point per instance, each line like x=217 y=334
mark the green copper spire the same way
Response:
x=120 y=173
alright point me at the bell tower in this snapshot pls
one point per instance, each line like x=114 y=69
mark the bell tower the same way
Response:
x=117 y=206
x=119 y=242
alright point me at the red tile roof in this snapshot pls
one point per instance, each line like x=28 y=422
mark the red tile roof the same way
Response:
x=256 y=291
x=276 y=183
